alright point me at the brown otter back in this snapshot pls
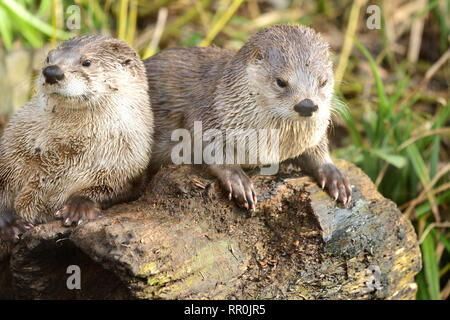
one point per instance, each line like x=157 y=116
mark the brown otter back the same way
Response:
x=183 y=78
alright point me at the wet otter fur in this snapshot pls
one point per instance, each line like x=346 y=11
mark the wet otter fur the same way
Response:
x=83 y=141
x=281 y=79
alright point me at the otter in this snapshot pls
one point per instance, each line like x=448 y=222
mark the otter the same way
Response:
x=83 y=141
x=281 y=79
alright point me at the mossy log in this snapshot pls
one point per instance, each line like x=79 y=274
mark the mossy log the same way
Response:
x=183 y=240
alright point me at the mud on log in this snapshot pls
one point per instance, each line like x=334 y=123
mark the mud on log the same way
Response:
x=182 y=239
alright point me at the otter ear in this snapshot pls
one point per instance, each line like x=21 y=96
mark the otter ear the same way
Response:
x=123 y=51
x=126 y=62
x=256 y=55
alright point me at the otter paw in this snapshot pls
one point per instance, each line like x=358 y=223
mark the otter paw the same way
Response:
x=12 y=227
x=239 y=187
x=335 y=181
x=77 y=210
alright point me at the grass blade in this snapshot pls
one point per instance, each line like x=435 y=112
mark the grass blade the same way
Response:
x=396 y=160
x=221 y=23
x=18 y=11
x=378 y=82
x=5 y=29
x=123 y=15
x=430 y=267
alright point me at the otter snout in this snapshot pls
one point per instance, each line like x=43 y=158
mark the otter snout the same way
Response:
x=53 y=74
x=306 y=108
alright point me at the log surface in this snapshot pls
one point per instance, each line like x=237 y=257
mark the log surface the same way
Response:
x=183 y=240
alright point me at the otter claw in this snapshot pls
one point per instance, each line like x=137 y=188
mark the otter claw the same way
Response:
x=12 y=227
x=237 y=185
x=28 y=226
x=337 y=184
x=77 y=210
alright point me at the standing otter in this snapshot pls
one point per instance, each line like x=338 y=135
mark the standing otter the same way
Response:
x=82 y=143
x=281 y=79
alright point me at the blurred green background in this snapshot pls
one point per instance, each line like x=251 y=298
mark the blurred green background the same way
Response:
x=394 y=79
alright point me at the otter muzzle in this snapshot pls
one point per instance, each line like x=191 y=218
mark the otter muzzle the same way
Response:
x=53 y=74
x=306 y=108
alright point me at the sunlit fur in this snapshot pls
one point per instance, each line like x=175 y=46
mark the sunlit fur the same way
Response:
x=300 y=58
x=89 y=134
x=233 y=91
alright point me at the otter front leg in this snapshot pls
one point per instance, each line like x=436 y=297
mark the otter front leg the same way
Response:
x=77 y=209
x=12 y=227
x=88 y=203
x=317 y=161
x=84 y=205
x=235 y=184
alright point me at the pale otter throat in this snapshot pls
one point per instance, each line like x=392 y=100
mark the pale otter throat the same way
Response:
x=82 y=143
x=281 y=79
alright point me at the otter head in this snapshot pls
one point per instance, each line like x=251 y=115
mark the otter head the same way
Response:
x=290 y=73
x=86 y=70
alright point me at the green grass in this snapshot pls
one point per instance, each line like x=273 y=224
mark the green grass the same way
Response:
x=395 y=141
x=377 y=149
x=17 y=21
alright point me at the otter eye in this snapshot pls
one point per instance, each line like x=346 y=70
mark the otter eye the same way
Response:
x=323 y=84
x=281 y=83
x=86 y=63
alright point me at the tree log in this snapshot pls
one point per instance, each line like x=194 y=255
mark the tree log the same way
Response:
x=184 y=240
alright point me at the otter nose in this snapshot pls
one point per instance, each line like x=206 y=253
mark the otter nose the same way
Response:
x=306 y=108
x=53 y=74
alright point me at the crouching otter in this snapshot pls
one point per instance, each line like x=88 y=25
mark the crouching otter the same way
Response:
x=281 y=79
x=83 y=141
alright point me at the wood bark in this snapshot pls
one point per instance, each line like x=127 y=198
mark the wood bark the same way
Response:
x=184 y=240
